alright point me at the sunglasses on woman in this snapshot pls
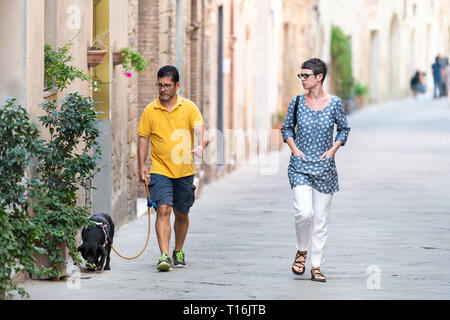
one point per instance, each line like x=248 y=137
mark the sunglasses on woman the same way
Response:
x=305 y=75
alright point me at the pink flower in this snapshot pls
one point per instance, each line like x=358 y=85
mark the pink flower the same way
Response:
x=128 y=74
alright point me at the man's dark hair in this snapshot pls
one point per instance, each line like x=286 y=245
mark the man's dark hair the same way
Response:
x=317 y=66
x=169 y=71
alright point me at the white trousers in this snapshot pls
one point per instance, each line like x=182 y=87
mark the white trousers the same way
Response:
x=311 y=220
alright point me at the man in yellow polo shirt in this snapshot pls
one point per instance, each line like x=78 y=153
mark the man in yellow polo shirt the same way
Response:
x=170 y=123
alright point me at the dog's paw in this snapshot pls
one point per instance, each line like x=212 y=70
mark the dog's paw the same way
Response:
x=107 y=268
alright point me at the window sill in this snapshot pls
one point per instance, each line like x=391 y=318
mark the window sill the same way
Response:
x=50 y=92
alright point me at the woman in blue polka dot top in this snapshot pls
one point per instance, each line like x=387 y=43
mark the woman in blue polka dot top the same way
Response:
x=312 y=169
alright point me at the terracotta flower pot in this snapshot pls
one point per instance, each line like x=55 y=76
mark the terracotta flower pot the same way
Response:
x=95 y=57
x=359 y=101
x=278 y=138
x=2 y=292
x=117 y=57
x=43 y=262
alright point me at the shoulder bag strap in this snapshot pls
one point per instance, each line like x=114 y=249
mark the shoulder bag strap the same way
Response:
x=295 y=110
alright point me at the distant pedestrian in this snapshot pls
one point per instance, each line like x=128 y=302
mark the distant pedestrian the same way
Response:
x=444 y=69
x=418 y=83
x=170 y=122
x=447 y=81
x=437 y=77
x=312 y=171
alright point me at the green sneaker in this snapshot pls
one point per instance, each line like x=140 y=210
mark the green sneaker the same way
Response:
x=178 y=259
x=164 y=263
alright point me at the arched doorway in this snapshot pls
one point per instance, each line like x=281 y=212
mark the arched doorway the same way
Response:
x=394 y=65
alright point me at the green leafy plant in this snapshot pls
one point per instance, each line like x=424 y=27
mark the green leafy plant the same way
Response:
x=100 y=41
x=67 y=163
x=277 y=117
x=19 y=145
x=132 y=60
x=57 y=71
x=360 y=89
x=341 y=66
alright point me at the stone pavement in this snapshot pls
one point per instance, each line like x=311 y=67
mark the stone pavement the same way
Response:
x=389 y=229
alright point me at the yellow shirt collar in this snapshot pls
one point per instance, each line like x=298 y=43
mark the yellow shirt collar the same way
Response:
x=179 y=103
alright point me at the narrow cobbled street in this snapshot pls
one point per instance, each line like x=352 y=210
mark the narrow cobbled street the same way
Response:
x=389 y=228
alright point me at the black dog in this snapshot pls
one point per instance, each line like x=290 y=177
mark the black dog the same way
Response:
x=97 y=242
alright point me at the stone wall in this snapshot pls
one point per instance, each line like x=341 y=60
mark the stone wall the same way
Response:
x=393 y=40
x=302 y=40
x=169 y=32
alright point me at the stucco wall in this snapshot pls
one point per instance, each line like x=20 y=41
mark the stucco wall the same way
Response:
x=410 y=34
x=120 y=113
x=13 y=33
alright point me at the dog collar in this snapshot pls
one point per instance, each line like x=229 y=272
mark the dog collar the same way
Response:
x=105 y=231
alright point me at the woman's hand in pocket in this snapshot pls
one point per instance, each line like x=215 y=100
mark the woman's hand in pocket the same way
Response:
x=328 y=154
x=298 y=153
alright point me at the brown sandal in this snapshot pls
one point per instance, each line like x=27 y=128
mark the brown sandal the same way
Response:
x=316 y=275
x=299 y=263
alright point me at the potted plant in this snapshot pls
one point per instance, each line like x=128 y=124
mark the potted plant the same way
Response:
x=341 y=67
x=129 y=59
x=66 y=163
x=360 y=92
x=58 y=73
x=95 y=56
x=117 y=57
x=97 y=51
x=19 y=145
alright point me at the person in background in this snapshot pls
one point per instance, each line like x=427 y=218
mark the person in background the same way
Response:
x=445 y=88
x=437 y=77
x=418 y=83
x=447 y=81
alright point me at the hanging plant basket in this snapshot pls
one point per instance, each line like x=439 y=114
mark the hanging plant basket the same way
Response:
x=95 y=57
x=117 y=57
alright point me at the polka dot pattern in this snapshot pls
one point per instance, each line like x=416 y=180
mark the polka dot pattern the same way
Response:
x=314 y=136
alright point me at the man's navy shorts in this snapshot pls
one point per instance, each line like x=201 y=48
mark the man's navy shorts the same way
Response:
x=178 y=193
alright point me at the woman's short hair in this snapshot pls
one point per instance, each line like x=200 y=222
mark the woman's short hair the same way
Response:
x=169 y=71
x=317 y=66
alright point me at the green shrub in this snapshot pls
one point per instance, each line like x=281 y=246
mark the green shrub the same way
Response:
x=360 y=89
x=19 y=145
x=58 y=74
x=341 y=66
x=63 y=164
x=67 y=163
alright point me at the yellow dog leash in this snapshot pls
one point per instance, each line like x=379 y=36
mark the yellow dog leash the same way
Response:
x=148 y=233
